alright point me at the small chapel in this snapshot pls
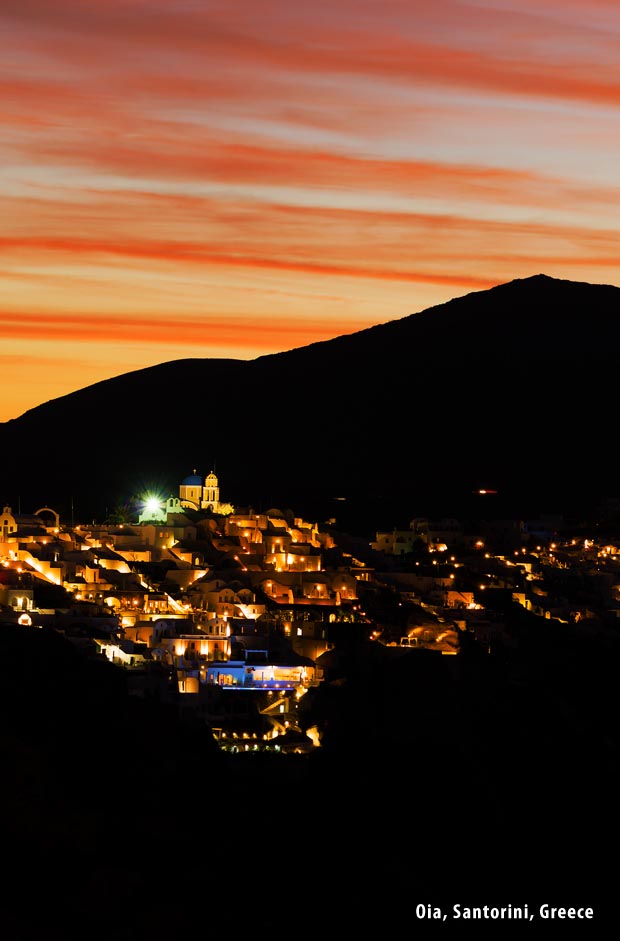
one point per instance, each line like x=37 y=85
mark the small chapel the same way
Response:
x=194 y=494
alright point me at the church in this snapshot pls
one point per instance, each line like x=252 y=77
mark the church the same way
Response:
x=193 y=495
x=196 y=495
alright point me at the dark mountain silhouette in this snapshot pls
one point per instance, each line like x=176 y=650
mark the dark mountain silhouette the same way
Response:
x=510 y=389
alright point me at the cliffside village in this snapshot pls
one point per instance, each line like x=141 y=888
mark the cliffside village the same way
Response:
x=235 y=614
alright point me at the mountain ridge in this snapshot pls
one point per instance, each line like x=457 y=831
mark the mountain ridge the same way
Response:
x=311 y=346
x=497 y=388
x=540 y=278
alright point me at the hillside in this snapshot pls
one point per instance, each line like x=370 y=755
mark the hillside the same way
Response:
x=510 y=388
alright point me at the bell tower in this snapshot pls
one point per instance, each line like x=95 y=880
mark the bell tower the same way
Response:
x=211 y=493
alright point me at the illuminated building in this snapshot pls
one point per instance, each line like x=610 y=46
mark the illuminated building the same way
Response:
x=8 y=524
x=16 y=598
x=242 y=674
x=124 y=652
x=196 y=495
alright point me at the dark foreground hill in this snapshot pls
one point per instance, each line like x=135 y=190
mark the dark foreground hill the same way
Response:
x=443 y=780
x=511 y=389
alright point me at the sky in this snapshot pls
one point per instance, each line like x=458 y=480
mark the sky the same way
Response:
x=187 y=178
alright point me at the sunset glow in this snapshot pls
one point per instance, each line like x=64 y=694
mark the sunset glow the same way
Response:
x=230 y=179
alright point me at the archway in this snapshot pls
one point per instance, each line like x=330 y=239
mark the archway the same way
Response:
x=48 y=509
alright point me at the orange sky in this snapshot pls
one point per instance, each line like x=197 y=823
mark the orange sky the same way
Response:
x=240 y=177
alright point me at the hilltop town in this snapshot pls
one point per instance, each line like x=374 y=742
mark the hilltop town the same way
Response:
x=235 y=615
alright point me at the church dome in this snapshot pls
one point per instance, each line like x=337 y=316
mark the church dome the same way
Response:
x=192 y=481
